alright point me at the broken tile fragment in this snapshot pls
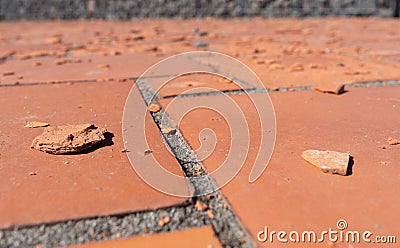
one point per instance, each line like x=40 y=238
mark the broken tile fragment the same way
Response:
x=270 y=61
x=276 y=67
x=56 y=39
x=201 y=206
x=332 y=88
x=328 y=161
x=154 y=108
x=35 y=124
x=210 y=214
x=296 y=68
x=147 y=152
x=167 y=130
x=104 y=66
x=8 y=73
x=392 y=141
x=164 y=221
x=69 y=139
x=177 y=38
x=317 y=66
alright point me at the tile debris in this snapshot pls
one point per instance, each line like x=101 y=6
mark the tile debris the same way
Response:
x=201 y=44
x=167 y=130
x=165 y=220
x=35 y=124
x=331 y=88
x=210 y=214
x=296 y=68
x=104 y=66
x=201 y=206
x=276 y=67
x=392 y=141
x=56 y=39
x=328 y=161
x=154 y=108
x=317 y=66
x=8 y=73
x=69 y=139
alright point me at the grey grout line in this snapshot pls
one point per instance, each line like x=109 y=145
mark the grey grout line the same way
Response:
x=282 y=89
x=227 y=226
x=374 y=84
x=238 y=92
x=85 y=230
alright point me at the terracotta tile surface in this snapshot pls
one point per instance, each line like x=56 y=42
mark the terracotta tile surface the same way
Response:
x=84 y=67
x=292 y=194
x=196 y=237
x=38 y=187
x=283 y=53
x=207 y=82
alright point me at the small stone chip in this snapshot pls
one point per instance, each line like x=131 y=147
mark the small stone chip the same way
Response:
x=276 y=67
x=331 y=88
x=328 y=161
x=154 y=108
x=104 y=66
x=164 y=221
x=56 y=39
x=35 y=124
x=296 y=68
x=392 y=141
x=167 y=130
x=317 y=66
x=8 y=73
x=210 y=214
x=201 y=206
x=68 y=139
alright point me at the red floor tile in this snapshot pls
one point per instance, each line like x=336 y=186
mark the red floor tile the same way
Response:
x=293 y=195
x=101 y=182
x=82 y=67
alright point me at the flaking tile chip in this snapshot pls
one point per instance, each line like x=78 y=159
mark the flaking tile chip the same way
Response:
x=154 y=108
x=331 y=88
x=35 y=124
x=392 y=141
x=328 y=161
x=167 y=130
x=69 y=139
